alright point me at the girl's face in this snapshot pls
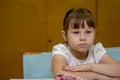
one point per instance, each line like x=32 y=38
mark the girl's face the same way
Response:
x=81 y=39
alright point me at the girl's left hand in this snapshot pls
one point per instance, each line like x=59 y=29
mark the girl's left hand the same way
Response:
x=68 y=77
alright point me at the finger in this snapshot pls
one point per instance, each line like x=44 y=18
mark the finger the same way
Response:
x=66 y=68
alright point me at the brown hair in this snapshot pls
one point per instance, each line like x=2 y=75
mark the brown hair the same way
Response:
x=76 y=17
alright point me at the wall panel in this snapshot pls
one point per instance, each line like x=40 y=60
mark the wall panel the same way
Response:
x=22 y=29
x=55 y=14
x=108 y=19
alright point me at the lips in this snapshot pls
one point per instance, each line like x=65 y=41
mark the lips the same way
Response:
x=83 y=45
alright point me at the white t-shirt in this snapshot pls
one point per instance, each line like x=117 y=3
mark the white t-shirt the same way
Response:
x=95 y=54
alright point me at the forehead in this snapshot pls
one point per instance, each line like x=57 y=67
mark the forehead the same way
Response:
x=79 y=23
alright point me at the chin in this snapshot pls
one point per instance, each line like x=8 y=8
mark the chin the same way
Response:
x=83 y=50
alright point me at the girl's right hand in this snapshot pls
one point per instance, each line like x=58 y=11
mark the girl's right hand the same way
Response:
x=82 y=67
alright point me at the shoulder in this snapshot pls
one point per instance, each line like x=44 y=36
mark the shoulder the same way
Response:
x=59 y=45
x=99 y=52
x=61 y=49
x=98 y=48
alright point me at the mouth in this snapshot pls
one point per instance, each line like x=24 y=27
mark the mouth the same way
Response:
x=83 y=45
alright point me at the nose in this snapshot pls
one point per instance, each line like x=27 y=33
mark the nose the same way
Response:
x=82 y=37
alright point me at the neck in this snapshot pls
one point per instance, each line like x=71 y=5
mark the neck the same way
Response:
x=80 y=55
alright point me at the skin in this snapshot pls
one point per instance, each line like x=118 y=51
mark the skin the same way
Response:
x=79 y=41
x=112 y=70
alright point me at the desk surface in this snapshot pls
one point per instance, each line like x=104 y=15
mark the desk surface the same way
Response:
x=34 y=79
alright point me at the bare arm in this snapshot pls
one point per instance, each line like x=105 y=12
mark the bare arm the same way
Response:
x=57 y=68
x=108 y=66
x=107 y=69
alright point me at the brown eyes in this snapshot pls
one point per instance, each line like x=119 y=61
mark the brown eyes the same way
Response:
x=76 y=32
x=86 y=32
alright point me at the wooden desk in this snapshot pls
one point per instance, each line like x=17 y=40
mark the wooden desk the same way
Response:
x=34 y=79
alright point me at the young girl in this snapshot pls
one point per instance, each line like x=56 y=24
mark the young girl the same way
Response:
x=78 y=56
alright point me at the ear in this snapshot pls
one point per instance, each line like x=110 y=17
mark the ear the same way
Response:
x=64 y=35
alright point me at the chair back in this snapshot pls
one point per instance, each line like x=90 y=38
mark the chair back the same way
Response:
x=114 y=52
x=37 y=65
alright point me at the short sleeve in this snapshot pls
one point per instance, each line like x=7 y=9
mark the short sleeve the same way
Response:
x=59 y=49
x=99 y=51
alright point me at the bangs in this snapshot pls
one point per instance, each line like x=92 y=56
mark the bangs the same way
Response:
x=79 y=23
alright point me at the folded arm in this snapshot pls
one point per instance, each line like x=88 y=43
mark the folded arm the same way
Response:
x=108 y=66
x=59 y=62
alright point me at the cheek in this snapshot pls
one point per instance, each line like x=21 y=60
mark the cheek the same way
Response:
x=71 y=39
x=91 y=38
x=90 y=35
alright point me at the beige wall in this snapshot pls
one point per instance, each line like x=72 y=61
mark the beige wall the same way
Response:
x=35 y=25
